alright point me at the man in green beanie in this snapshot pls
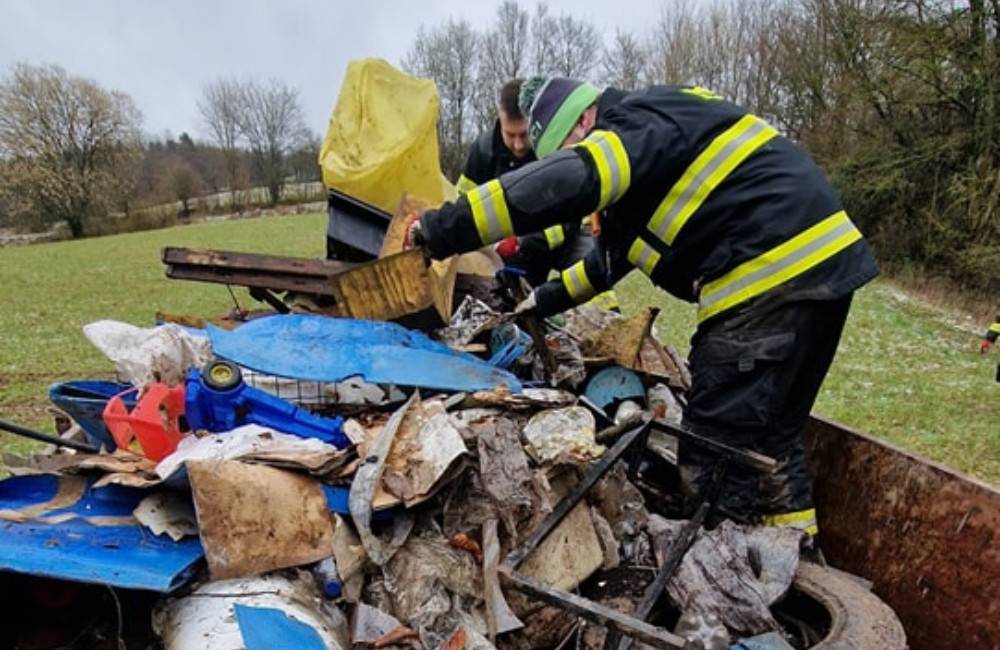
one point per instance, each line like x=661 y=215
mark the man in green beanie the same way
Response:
x=718 y=209
x=504 y=148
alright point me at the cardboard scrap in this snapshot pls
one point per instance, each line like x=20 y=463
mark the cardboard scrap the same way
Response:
x=253 y=518
x=425 y=449
x=572 y=552
x=622 y=338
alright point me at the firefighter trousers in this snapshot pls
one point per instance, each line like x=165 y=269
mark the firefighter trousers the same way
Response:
x=755 y=378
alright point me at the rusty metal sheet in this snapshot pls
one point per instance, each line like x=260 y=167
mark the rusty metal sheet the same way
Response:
x=924 y=534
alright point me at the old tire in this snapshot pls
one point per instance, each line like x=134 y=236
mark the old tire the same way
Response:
x=221 y=375
x=859 y=618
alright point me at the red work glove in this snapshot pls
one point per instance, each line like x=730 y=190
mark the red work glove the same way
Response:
x=984 y=347
x=507 y=247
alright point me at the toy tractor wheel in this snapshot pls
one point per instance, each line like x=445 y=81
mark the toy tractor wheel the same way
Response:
x=221 y=375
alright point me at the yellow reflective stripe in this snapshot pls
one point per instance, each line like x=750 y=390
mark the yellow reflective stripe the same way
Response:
x=489 y=211
x=804 y=520
x=555 y=236
x=643 y=256
x=464 y=184
x=995 y=327
x=577 y=283
x=605 y=300
x=703 y=93
x=613 y=168
x=778 y=265
x=708 y=170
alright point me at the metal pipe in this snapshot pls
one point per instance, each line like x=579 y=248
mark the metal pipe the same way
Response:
x=18 y=430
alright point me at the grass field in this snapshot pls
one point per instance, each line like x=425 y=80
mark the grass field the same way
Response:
x=906 y=372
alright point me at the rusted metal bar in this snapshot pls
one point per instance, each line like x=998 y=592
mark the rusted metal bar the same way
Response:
x=678 y=549
x=588 y=609
x=563 y=508
x=757 y=461
x=519 y=290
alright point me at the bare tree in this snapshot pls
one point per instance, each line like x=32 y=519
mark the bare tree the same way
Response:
x=272 y=123
x=503 y=55
x=674 y=44
x=576 y=47
x=543 y=51
x=67 y=143
x=221 y=107
x=448 y=56
x=623 y=62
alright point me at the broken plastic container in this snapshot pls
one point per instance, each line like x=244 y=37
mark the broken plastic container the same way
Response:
x=154 y=422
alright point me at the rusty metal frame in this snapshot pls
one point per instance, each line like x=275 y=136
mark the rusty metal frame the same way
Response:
x=634 y=627
x=253 y=270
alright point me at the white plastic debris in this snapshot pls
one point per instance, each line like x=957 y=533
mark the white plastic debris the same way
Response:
x=143 y=356
x=170 y=513
x=255 y=444
x=206 y=618
x=562 y=435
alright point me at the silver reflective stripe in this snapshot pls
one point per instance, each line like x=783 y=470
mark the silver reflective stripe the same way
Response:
x=490 y=212
x=698 y=181
x=616 y=172
x=779 y=266
x=644 y=259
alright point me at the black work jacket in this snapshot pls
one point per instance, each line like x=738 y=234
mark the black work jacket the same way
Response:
x=490 y=158
x=709 y=201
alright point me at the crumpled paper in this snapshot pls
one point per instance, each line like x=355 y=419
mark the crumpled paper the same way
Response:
x=562 y=435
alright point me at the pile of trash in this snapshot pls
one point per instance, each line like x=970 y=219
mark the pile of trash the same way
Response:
x=313 y=482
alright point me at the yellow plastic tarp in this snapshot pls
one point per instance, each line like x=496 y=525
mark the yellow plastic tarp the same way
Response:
x=382 y=138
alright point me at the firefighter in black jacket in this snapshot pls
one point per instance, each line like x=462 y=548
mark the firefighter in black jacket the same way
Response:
x=506 y=148
x=716 y=208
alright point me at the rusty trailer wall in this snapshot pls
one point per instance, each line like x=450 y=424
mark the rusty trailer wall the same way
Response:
x=924 y=534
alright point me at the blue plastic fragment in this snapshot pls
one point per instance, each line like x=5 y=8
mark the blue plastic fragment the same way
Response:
x=208 y=409
x=337 y=499
x=127 y=556
x=84 y=400
x=266 y=628
x=614 y=384
x=318 y=348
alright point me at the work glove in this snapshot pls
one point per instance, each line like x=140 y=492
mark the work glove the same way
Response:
x=507 y=248
x=414 y=237
x=984 y=347
x=527 y=304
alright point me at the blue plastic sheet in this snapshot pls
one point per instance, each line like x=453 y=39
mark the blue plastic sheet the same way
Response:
x=266 y=628
x=127 y=556
x=318 y=348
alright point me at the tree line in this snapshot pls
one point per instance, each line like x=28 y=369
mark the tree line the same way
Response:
x=897 y=99
x=72 y=151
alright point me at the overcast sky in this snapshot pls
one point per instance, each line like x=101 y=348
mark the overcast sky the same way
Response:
x=162 y=53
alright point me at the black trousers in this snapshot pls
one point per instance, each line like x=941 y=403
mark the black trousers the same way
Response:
x=755 y=378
